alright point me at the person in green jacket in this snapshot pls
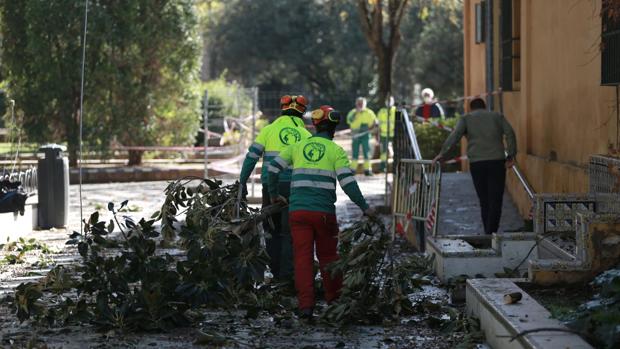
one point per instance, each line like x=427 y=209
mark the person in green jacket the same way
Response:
x=387 y=119
x=286 y=130
x=317 y=164
x=488 y=157
x=361 y=120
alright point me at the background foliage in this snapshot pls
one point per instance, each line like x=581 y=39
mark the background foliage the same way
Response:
x=145 y=60
x=142 y=56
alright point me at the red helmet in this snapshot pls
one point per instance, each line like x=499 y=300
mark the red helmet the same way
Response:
x=298 y=103
x=325 y=112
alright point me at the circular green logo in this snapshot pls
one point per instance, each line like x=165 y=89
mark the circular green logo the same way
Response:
x=314 y=152
x=289 y=135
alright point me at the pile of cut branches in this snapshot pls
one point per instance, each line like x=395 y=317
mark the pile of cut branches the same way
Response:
x=131 y=283
x=133 y=276
x=376 y=285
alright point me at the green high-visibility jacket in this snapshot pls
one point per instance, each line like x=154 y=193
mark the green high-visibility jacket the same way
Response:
x=360 y=121
x=383 y=121
x=317 y=163
x=271 y=140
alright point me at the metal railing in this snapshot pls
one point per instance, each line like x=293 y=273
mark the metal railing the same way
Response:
x=28 y=178
x=416 y=192
x=405 y=140
x=416 y=185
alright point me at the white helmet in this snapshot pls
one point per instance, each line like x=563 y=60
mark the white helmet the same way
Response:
x=427 y=93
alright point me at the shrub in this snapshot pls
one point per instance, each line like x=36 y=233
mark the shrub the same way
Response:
x=431 y=138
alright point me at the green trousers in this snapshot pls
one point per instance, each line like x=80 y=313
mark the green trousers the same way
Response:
x=384 y=144
x=279 y=243
x=364 y=142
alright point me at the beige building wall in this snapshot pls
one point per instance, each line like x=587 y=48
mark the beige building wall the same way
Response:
x=561 y=113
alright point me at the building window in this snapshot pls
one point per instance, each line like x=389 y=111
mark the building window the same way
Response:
x=510 y=26
x=480 y=22
x=610 y=48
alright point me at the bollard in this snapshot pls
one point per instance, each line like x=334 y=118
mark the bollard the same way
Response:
x=53 y=187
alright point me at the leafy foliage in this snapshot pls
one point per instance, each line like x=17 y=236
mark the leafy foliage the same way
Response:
x=319 y=47
x=599 y=319
x=130 y=284
x=128 y=280
x=376 y=286
x=431 y=138
x=18 y=249
x=141 y=60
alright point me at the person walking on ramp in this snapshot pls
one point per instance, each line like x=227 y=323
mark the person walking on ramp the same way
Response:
x=488 y=158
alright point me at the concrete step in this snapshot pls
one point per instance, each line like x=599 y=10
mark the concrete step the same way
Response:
x=597 y=249
x=13 y=226
x=500 y=322
x=483 y=255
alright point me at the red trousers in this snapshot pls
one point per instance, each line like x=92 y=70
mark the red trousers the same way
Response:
x=307 y=229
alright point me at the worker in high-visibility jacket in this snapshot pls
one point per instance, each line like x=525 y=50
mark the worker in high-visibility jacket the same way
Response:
x=286 y=130
x=361 y=120
x=387 y=119
x=317 y=163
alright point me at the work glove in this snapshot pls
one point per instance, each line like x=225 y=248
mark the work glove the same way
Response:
x=279 y=200
x=370 y=212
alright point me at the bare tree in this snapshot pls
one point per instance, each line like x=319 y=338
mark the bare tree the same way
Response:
x=383 y=36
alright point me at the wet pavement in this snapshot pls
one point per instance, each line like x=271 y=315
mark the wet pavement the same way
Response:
x=146 y=198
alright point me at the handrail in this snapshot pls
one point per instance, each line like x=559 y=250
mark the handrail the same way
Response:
x=526 y=186
x=530 y=192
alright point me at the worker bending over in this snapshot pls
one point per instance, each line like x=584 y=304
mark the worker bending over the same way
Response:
x=286 y=130
x=317 y=163
x=361 y=120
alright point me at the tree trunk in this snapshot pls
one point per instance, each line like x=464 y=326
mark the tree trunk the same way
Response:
x=73 y=154
x=72 y=130
x=384 y=62
x=135 y=157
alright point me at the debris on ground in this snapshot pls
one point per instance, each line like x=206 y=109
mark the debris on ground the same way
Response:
x=206 y=272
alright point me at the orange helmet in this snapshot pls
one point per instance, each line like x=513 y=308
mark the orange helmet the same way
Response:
x=299 y=103
x=325 y=112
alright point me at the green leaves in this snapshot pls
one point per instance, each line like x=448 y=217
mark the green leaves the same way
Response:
x=599 y=319
x=130 y=283
x=141 y=60
x=376 y=286
x=27 y=300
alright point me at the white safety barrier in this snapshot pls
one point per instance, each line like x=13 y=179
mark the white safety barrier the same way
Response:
x=415 y=198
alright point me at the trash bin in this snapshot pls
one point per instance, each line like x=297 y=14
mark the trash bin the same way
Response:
x=53 y=187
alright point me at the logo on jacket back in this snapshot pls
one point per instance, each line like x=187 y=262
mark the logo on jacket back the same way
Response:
x=289 y=135
x=314 y=152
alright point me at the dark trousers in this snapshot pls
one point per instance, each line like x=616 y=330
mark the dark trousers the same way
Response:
x=279 y=246
x=489 y=180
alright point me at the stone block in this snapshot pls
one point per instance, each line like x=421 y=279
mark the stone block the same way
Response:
x=597 y=249
x=479 y=255
x=500 y=322
x=14 y=226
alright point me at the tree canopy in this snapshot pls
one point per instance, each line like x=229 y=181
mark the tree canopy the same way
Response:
x=141 y=55
x=321 y=47
x=142 y=63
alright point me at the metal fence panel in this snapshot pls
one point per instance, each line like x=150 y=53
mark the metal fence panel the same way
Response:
x=417 y=185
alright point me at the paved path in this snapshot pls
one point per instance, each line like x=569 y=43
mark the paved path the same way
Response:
x=145 y=198
x=459 y=212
